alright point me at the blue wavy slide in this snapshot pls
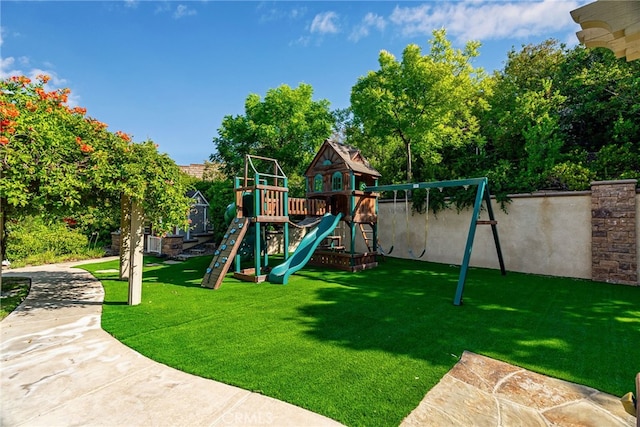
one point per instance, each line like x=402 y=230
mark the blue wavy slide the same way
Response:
x=301 y=256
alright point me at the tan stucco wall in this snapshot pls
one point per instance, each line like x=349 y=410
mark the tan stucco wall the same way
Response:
x=540 y=234
x=547 y=234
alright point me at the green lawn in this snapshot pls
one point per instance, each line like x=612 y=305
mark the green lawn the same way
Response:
x=364 y=348
x=13 y=291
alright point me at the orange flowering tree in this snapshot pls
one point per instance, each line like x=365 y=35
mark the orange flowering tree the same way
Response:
x=57 y=161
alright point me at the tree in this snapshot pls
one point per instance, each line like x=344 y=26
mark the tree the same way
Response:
x=528 y=70
x=219 y=193
x=287 y=126
x=57 y=161
x=421 y=104
x=560 y=118
x=602 y=111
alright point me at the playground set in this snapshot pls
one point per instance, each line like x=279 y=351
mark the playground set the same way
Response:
x=342 y=191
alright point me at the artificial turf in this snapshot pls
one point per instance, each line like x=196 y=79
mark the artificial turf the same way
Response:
x=364 y=348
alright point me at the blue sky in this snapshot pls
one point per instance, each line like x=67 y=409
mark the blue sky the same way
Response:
x=171 y=70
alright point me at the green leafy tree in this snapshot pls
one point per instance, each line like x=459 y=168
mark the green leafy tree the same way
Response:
x=538 y=112
x=58 y=162
x=560 y=118
x=527 y=71
x=219 y=193
x=419 y=106
x=603 y=98
x=602 y=111
x=286 y=125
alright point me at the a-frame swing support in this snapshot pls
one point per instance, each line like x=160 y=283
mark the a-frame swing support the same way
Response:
x=482 y=193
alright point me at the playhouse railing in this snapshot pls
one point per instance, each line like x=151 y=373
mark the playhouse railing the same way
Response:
x=310 y=207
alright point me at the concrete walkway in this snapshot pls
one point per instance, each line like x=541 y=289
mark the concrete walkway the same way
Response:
x=59 y=368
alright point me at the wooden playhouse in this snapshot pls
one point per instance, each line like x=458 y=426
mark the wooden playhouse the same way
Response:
x=338 y=175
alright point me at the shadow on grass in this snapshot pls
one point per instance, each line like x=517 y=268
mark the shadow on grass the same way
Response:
x=563 y=327
x=571 y=329
x=55 y=290
x=188 y=274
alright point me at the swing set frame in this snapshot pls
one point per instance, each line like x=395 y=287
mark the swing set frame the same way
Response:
x=482 y=193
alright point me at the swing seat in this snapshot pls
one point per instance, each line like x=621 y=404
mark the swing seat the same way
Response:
x=383 y=252
x=419 y=256
x=426 y=225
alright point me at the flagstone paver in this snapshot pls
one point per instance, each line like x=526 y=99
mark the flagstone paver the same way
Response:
x=484 y=392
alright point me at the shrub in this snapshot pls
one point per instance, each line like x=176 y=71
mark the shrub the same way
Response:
x=570 y=176
x=219 y=194
x=617 y=162
x=31 y=236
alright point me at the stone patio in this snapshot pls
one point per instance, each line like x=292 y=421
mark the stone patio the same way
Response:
x=480 y=391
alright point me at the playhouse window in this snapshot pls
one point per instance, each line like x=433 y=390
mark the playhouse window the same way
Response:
x=317 y=183
x=336 y=181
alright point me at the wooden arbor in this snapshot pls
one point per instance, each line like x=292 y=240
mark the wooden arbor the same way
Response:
x=338 y=175
x=611 y=24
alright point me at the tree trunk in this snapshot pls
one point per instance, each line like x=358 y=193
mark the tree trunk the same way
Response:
x=409 y=161
x=125 y=236
x=3 y=240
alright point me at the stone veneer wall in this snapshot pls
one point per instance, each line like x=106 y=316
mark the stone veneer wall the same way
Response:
x=614 y=252
x=172 y=245
x=115 y=242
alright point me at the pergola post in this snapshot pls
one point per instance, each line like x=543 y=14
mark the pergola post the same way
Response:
x=125 y=236
x=135 y=253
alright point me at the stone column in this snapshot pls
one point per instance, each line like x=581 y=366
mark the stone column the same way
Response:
x=614 y=252
x=115 y=242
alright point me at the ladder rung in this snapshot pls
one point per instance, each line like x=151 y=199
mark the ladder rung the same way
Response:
x=486 y=222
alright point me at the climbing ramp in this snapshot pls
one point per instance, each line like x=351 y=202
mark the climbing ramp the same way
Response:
x=223 y=256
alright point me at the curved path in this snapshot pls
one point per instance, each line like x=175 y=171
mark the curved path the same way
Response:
x=58 y=368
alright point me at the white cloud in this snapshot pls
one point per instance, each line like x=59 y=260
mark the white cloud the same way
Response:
x=162 y=7
x=481 y=20
x=182 y=11
x=371 y=20
x=5 y=65
x=132 y=4
x=301 y=41
x=8 y=69
x=6 y=34
x=297 y=12
x=325 y=23
x=277 y=14
x=375 y=21
x=56 y=81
